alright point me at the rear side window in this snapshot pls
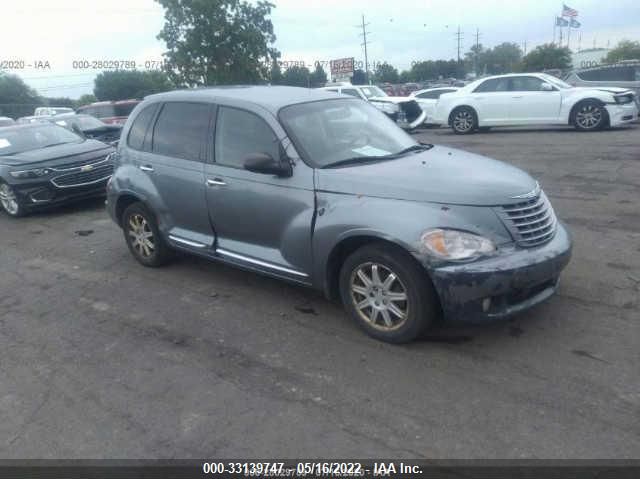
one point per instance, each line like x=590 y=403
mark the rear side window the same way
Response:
x=240 y=133
x=526 y=84
x=181 y=130
x=138 y=130
x=124 y=109
x=495 y=84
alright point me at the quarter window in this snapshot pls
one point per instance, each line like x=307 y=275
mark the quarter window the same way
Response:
x=138 y=130
x=181 y=130
x=239 y=134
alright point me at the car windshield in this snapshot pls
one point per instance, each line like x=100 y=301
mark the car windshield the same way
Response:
x=20 y=139
x=556 y=82
x=372 y=91
x=333 y=131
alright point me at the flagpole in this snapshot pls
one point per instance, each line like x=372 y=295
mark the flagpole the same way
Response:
x=569 y=36
x=555 y=21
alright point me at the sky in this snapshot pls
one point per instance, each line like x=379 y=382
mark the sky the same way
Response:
x=45 y=41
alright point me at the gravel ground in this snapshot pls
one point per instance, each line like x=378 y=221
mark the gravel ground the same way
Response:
x=102 y=358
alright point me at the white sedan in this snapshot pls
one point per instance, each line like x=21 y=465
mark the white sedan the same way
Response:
x=534 y=99
x=427 y=99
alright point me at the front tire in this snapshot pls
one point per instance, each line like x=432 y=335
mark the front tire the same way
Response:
x=464 y=120
x=10 y=202
x=143 y=237
x=590 y=115
x=387 y=293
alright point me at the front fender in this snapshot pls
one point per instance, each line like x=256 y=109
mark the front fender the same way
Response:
x=344 y=216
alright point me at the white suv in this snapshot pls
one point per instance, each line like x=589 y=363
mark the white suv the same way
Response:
x=405 y=111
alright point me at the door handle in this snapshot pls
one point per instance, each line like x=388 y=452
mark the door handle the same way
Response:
x=146 y=168
x=216 y=182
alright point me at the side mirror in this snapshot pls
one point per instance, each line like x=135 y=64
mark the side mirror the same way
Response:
x=267 y=165
x=546 y=87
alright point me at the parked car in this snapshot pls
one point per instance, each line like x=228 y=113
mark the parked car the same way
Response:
x=625 y=74
x=30 y=119
x=6 y=121
x=43 y=164
x=51 y=110
x=534 y=99
x=403 y=110
x=327 y=192
x=89 y=127
x=110 y=112
x=428 y=98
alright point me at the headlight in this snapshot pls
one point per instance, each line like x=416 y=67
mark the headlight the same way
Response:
x=35 y=173
x=456 y=245
x=621 y=100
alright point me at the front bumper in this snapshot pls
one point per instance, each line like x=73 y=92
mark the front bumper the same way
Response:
x=500 y=286
x=622 y=114
x=34 y=194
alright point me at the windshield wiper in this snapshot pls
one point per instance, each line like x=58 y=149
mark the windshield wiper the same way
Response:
x=364 y=159
x=420 y=147
x=356 y=159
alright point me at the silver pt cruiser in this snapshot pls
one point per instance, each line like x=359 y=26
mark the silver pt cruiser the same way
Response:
x=327 y=192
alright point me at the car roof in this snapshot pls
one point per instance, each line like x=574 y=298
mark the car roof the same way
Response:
x=272 y=98
x=424 y=90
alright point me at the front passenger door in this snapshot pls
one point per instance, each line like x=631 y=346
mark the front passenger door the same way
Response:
x=531 y=104
x=261 y=221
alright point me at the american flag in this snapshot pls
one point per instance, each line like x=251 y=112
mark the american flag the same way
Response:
x=568 y=11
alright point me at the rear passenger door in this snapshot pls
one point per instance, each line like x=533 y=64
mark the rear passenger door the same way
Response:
x=492 y=100
x=175 y=165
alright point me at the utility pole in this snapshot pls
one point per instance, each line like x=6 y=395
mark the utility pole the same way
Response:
x=364 y=44
x=459 y=37
x=475 y=67
x=524 y=45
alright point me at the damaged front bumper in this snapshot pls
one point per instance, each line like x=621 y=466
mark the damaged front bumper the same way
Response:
x=500 y=286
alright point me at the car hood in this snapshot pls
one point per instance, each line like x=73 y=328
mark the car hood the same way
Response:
x=57 y=154
x=608 y=89
x=392 y=99
x=439 y=175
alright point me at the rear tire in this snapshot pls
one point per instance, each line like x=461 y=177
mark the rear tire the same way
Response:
x=387 y=293
x=590 y=115
x=464 y=120
x=143 y=237
x=10 y=202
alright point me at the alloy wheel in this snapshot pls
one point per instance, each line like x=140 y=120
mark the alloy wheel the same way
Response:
x=463 y=121
x=141 y=236
x=589 y=117
x=379 y=296
x=8 y=199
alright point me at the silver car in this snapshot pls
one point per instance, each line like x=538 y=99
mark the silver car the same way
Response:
x=324 y=190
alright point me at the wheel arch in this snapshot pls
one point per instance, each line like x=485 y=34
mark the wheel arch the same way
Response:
x=345 y=246
x=574 y=108
x=125 y=200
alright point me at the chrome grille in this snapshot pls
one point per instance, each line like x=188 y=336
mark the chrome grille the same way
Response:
x=531 y=222
x=83 y=174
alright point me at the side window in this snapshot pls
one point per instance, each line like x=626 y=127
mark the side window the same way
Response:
x=526 y=84
x=493 y=85
x=351 y=92
x=138 y=130
x=181 y=130
x=240 y=133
